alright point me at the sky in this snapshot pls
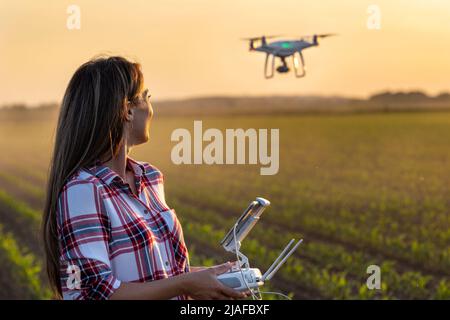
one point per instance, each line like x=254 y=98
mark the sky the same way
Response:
x=191 y=48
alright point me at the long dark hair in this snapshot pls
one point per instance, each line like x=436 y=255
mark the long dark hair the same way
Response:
x=90 y=127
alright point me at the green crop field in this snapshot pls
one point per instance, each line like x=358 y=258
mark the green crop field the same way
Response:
x=360 y=189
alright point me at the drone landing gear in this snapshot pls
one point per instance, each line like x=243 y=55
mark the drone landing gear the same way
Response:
x=296 y=64
x=267 y=75
x=297 y=60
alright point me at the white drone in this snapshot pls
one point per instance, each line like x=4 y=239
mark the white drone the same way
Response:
x=284 y=49
x=242 y=277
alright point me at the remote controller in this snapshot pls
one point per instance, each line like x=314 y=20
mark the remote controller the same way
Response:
x=235 y=279
x=242 y=277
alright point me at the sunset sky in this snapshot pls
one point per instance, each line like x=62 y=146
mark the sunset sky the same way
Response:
x=193 y=48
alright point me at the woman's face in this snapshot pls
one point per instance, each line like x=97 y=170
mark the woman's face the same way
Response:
x=139 y=126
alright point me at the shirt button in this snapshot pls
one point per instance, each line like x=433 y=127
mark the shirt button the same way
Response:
x=167 y=263
x=146 y=211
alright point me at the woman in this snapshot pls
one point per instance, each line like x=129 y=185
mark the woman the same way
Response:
x=108 y=231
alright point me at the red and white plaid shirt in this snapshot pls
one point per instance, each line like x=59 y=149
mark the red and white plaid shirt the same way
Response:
x=108 y=235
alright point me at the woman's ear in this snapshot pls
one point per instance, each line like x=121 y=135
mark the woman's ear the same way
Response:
x=130 y=112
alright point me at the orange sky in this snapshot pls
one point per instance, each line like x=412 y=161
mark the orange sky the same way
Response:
x=192 y=48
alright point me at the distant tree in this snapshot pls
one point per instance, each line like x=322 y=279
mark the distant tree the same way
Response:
x=444 y=96
x=411 y=96
x=16 y=107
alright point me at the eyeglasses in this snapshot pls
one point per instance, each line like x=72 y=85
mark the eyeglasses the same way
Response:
x=145 y=96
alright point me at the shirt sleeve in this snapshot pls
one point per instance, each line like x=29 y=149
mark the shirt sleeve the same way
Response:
x=83 y=230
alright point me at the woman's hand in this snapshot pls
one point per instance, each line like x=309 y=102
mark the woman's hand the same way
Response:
x=203 y=284
x=196 y=269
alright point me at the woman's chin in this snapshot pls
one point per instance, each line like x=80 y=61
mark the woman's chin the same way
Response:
x=140 y=140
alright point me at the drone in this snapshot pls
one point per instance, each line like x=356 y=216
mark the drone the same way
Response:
x=284 y=49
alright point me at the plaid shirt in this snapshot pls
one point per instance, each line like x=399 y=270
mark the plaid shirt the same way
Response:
x=107 y=234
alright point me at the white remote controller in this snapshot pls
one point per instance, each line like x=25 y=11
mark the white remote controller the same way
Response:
x=234 y=278
x=242 y=277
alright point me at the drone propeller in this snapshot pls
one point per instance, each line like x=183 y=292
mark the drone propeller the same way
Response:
x=323 y=35
x=315 y=37
x=260 y=38
x=326 y=35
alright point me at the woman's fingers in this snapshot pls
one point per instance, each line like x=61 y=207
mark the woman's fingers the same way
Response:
x=222 y=268
x=219 y=296
x=232 y=293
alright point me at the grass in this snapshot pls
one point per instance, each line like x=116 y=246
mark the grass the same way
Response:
x=25 y=268
x=20 y=207
x=360 y=189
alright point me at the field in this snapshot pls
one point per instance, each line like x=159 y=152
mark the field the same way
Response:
x=360 y=189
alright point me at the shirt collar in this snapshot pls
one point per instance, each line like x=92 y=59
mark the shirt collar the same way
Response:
x=109 y=176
